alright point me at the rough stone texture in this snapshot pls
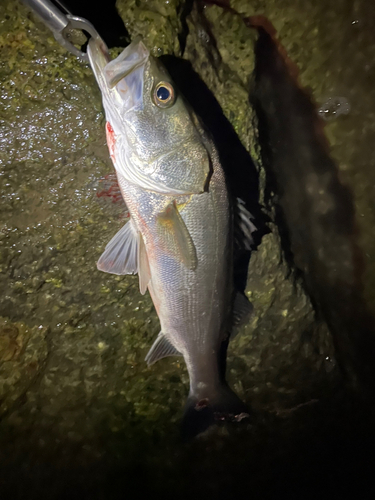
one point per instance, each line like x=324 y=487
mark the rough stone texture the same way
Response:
x=336 y=58
x=93 y=421
x=158 y=23
x=320 y=204
x=23 y=354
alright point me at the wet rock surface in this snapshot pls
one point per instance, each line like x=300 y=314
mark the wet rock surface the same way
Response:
x=23 y=354
x=81 y=414
x=315 y=211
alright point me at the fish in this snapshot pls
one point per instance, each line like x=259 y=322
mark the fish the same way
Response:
x=180 y=235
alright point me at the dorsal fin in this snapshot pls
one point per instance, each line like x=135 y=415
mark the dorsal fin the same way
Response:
x=243 y=227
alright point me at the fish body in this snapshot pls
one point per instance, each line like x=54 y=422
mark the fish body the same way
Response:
x=180 y=235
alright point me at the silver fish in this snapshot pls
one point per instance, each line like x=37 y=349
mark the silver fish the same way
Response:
x=180 y=236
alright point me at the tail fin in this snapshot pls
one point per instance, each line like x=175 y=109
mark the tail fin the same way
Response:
x=200 y=414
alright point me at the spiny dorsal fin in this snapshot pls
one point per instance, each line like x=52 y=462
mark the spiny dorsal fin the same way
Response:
x=176 y=237
x=161 y=348
x=243 y=226
x=121 y=253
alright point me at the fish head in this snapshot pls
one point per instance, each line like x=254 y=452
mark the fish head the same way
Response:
x=155 y=137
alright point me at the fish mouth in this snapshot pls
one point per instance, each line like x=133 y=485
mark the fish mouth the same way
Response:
x=110 y=72
x=132 y=57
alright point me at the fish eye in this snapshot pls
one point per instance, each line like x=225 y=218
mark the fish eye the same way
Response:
x=164 y=95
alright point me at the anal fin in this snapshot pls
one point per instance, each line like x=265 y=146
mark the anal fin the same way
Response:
x=161 y=348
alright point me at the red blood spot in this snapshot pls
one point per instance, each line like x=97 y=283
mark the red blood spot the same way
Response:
x=111 y=140
x=110 y=188
x=201 y=404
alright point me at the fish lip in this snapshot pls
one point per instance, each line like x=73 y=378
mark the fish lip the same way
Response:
x=99 y=57
x=97 y=50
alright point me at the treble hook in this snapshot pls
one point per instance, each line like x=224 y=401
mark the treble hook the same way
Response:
x=58 y=22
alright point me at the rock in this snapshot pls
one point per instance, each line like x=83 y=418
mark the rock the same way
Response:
x=317 y=214
x=23 y=354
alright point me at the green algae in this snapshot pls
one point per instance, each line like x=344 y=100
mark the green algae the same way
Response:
x=234 y=48
x=23 y=354
x=157 y=22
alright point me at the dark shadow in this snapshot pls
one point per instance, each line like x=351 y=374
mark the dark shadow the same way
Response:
x=105 y=18
x=186 y=8
x=322 y=451
x=315 y=211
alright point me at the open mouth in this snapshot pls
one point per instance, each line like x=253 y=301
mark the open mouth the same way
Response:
x=132 y=57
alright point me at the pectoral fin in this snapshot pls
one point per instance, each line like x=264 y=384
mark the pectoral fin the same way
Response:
x=126 y=254
x=161 y=348
x=176 y=237
x=121 y=253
